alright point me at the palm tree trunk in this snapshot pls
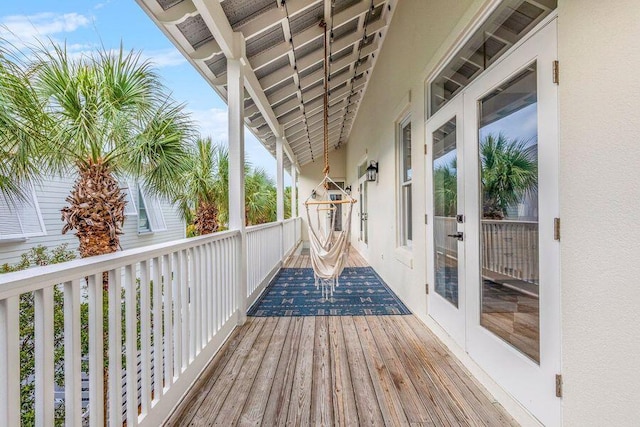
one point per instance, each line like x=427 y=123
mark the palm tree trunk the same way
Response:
x=96 y=210
x=206 y=221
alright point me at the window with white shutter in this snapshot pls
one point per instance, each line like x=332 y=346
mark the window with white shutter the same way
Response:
x=21 y=218
x=150 y=216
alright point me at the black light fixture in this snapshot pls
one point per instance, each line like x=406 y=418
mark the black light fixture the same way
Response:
x=372 y=171
x=348 y=189
x=314 y=194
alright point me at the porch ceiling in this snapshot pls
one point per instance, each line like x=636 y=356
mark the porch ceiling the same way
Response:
x=284 y=55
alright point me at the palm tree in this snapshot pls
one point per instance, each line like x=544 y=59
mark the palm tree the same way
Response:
x=109 y=117
x=22 y=124
x=445 y=191
x=204 y=188
x=260 y=197
x=509 y=173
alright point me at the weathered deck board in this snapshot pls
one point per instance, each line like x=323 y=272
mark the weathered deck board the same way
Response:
x=347 y=371
x=300 y=402
x=258 y=398
x=362 y=370
x=301 y=259
x=344 y=401
x=321 y=407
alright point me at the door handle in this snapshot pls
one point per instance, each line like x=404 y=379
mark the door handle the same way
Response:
x=459 y=235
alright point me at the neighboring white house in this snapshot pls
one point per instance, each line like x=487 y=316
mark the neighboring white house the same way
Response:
x=37 y=221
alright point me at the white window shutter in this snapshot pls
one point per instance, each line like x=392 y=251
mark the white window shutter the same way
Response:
x=21 y=218
x=130 y=208
x=154 y=212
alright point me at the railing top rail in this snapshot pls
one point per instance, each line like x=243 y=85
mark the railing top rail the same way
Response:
x=254 y=228
x=16 y=283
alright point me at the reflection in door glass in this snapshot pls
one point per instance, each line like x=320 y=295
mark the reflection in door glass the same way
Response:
x=508 y=137
x=445 y=194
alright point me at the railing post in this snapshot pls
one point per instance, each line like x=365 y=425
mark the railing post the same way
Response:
x=294 y=182
x=279 y=178
x=235 y=100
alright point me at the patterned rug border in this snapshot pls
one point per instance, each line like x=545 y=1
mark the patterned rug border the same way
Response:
x=404 y=311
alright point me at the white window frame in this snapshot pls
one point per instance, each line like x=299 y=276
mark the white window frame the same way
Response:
x=33 y=199
x=154 y=213
x=131 y=207
x=404 y=212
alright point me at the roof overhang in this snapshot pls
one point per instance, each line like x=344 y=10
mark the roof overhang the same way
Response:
x=283 y=59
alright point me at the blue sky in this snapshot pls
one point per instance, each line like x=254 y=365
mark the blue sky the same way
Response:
x=85 y=25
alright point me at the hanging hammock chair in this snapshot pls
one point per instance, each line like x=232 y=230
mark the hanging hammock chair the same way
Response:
x=329 y=250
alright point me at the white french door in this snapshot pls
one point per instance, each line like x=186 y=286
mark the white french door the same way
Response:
x=446 y=244
x=494 y=185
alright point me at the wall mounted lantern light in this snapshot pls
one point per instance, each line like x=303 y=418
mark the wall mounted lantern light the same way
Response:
x=348 y=189
x=372 y=171
x=314 y=194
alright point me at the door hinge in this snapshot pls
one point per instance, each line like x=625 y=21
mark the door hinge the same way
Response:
x=558 y=385
x=426 y=219
x=426 y=288
x=556 y=229
x=425 y=149
x=556 y=72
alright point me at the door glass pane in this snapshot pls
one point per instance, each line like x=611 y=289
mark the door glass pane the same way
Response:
x=406 y=152
x=336 y=217
x=445 y=193
x=363 y=212
x=508 y=137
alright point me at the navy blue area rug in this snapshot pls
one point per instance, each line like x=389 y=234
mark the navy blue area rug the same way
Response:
x=360 y=292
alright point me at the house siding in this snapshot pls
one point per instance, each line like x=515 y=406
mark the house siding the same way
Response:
x=51 y=195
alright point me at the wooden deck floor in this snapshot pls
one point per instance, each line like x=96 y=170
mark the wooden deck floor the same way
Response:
x=363 y=370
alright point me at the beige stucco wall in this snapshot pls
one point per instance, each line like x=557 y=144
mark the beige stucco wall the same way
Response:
x=599 y=52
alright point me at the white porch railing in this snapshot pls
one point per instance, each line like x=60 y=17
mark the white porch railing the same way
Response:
x=509 y=248
x=267 y=246
x=170 y=305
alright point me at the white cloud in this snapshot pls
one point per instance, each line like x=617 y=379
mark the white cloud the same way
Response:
x=101 y=5
x=22 y=30
x=164 y=57
x=212 y=122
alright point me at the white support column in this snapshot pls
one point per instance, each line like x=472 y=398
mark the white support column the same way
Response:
x=280 y=178
x=235 y=101
x=294 y=186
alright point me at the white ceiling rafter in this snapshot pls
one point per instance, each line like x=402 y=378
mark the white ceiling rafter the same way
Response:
x=283 y=64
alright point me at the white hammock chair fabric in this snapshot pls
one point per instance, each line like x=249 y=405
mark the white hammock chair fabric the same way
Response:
x=329 y=250
x=329 y=253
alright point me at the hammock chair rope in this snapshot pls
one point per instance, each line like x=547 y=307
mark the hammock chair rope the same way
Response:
x=326 y=170
x=328 y=252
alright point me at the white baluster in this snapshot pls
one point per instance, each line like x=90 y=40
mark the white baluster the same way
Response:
x=44 y=357
x=168 y=320
x=177 y=319
x=145 y=338
x=157 y=329
x=192 y=305
x=9 y=362
x=184 y=289
x=96 y=351
x=131 y=332
x=72 y=354
x=115 y=348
